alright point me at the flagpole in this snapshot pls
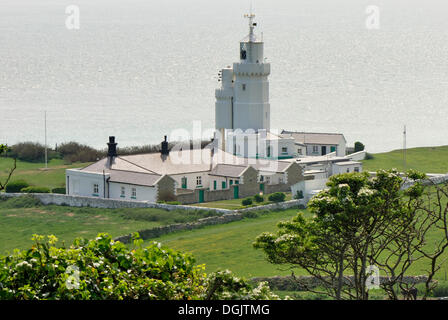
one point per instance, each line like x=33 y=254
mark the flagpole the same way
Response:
x=46 y=153
x=404 y=149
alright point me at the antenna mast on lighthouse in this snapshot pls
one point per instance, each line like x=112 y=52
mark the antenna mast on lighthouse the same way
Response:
x=252 y=25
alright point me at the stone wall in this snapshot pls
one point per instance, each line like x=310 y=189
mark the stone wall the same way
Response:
x=432 y=180
x=158 y=231
x=288 y=283
x=78 y=201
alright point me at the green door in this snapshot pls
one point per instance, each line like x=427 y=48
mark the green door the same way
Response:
x=201 y=196
x=236 y=192
x=262 y=187
x=184 y=183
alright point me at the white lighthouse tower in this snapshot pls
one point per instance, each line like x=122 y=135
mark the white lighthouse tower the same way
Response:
x=242 y=102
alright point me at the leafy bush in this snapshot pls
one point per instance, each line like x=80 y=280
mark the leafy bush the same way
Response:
x=31 y=152
x=26 y=201
x=60 y=190
x=102 y=269
x=33 y=189
x=277 y=197
x=74 y=152
x=16 y=186
x=246 y=202
x=359 y=146
x=258 y=198
x=173 y=202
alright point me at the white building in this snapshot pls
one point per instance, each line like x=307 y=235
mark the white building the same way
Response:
x=247 y=156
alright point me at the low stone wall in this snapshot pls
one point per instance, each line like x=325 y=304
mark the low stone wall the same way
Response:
x=159 y=231
x=299 y=204
x=437 y=179
x=288 y=283
x=78 y=201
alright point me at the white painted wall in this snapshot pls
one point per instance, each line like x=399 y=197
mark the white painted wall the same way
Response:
x=308 y=187
x=82 y=183
x=191 y=179
x=342 y=168
x=143 y=193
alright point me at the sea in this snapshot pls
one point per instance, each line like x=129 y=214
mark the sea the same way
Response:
x=142 y=69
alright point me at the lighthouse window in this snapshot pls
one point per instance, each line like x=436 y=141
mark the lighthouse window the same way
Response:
x=244 y=87
x=243 y=54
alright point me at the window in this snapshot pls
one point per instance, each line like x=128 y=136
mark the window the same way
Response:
x=333 y=148
x=123 y=192
x=223 y=185
x=261 y=178
x=231 y=182
x=214 y=185
x=280 y=180
x=243 y=86
x=268 y=180
x=348 y=169
x=284 y=150
x=315 y=149
x=198 y=181
x=356 y=169
x=299 y=151
x=134 y=193
x=237 y=182
x=96 y=189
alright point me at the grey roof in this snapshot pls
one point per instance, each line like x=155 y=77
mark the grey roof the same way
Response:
x=141 y=179
x=314 y=138
x=228 y=170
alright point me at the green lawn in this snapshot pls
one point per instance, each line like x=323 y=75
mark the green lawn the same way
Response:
x=427 y=159
x=229 y=246
x=20 y=218
x=36 y=174
x=235 y=204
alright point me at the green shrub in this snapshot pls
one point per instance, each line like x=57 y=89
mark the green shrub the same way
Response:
x=246 y=202
x=103 y=269
x=258 y=198
x=277 y=197
x=33 y=189
x=359 y=146
x=173 y=202
x=16 y=186
x=250 y=214
x=60 y=190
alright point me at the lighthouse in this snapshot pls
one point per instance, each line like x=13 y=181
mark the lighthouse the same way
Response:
x=242 y=101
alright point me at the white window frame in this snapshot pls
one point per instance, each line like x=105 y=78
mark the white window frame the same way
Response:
x=134 y=193
x=199 y=181
x=96 y=189
x=315 y=149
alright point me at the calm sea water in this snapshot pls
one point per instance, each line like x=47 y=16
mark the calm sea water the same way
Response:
x=138 y=69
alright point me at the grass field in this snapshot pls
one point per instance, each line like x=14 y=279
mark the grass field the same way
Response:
x=36 y=174
x=20 y=218
x=235 y=204
x=229 y=246
x=427 y=159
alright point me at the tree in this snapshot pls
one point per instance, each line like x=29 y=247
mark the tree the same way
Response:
x=359 y=146
x=4 y=149
x=359 y=222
